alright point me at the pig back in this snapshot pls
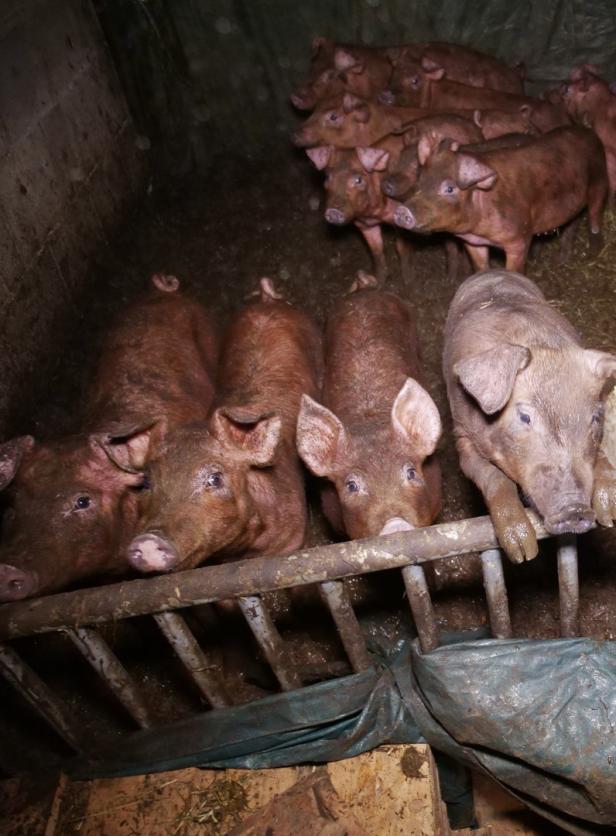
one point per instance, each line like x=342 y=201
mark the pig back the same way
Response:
x=271 y=355
x=371 y=347
x=159 y=359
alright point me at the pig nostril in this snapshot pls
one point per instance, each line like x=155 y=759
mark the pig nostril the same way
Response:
x=404 y=217
x=335 y=216
x=386 y=97
x=152 y=553
x=16 y=585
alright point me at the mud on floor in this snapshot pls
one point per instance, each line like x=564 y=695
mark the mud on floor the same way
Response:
x=247 y=220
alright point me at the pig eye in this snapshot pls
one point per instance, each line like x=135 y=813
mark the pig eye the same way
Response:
x=215 y=480
x=352 y=484
x=358 y=180
x=525 y=417
x=415 y=81
x=81 y=503
x=410 y=473
x=146 y=482
x=448 y=188
x=332 y=116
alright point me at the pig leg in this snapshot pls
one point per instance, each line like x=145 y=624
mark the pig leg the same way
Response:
x=513 y=529
x=479 y=256
x=374 y=239
x=567 y=240
x=515 y=255
x=604 y=491
x=404 y=248
x=597 y=197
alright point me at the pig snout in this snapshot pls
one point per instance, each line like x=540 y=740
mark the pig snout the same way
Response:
x=301 y=139
x=394 y=185
x=574 y=519
x=151 y=552
x=404 y=217
x=302 y=101
x=396 y=524
x=16 y=584
x=386 y=97
x=335 y=216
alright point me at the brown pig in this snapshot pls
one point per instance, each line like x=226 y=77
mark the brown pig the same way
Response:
x=527 y=406
x=460 y=63
x=590 y=101
x=374 y=435
x=438 y=92
x=341 y=68
x=503 y=197
x=233 y=485
x=349 y=121
x=354 y=195
x=74 y=503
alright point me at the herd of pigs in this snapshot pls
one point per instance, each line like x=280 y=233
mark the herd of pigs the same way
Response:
x=194 y=441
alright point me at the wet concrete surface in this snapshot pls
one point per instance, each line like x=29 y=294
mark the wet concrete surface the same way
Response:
x=219 y=235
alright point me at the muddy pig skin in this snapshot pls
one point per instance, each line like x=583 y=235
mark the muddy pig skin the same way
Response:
x=232 y=486
x=74 y=503
x=503 y=197
x=378 y=427
x=527 y=406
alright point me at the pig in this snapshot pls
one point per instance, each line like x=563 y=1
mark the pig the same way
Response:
x=349 y=121
x=232 y=485
x=495 y=123
x=74 y=503
x=374 y=435
x=460 y=63
x=403 y=171
x=341 y=68
x=503 y=197
x=354 y=195
x=438 y=92
x=590 y=101
x=527 y=404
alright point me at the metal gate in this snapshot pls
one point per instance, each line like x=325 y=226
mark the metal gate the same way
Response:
x=77 y=613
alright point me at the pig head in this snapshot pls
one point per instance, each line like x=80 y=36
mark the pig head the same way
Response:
x=203 y=481
x=72 y=506
x=378 y=471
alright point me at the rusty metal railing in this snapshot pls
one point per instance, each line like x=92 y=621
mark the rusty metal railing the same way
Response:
x=77 y=613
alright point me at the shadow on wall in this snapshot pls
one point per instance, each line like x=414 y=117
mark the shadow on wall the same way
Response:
x=210 y=78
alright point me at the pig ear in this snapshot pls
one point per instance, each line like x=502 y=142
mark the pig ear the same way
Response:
x=587 y=120
x=526 y=111
x=472 y=172
x=321 y=437
x=602 y=364
x=11 y=454
x=478 y=117
x=252 y=434
x=320 y=155
x=415 y=417
x=129 y=447
x=427 y=146
x=373 y=159
x=489 y=376
x=345 y=61
x=431 y=69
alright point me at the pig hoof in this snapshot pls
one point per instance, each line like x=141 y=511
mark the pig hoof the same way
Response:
x=151 y=553
x=168 y=284
x=517 y=538
x=604 y=504
x=362 y=281
x=266 y=291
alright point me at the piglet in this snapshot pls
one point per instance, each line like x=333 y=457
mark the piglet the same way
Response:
x=74 y=503
x=232 y=486
x=527 y=405
x=377 y=428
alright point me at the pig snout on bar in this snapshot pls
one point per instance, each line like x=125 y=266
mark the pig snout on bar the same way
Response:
x=335 y=216
x=152 y=553
x=16 y=584
x=574 y=519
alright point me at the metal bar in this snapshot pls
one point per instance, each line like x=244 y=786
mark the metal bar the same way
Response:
x=265 y=632
x=421 y=607
x=37 y=694
x=101 y=657
x=233 y=580
x=496 y=593
x=568 y=586
x=181 y=639
x=335 y=595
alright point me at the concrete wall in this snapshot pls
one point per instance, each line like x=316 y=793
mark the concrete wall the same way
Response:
x=68 y=168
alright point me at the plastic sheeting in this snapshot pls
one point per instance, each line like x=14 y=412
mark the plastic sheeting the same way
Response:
x=538 y=716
